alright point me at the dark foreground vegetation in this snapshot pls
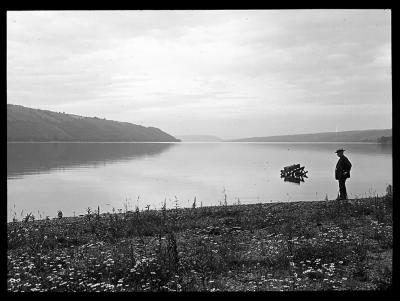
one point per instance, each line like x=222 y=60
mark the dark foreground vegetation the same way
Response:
x=326 y=245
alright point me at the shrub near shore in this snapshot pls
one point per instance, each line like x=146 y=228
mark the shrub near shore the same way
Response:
x=326 y=245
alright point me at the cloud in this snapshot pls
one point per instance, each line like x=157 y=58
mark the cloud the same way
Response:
x=219 y=66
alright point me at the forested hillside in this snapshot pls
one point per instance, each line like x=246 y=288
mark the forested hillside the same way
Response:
x=346 y=136
x=26 y=124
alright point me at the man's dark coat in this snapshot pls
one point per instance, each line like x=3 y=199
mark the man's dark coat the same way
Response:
x=342 y=166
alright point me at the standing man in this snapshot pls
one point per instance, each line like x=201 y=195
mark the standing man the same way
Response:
x=342 y=173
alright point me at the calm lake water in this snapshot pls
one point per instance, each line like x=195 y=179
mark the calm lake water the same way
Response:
x=43 y=178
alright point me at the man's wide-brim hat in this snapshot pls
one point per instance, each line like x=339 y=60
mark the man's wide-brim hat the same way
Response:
x=340 y=150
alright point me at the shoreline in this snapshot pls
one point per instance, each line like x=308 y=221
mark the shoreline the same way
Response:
x=250 y=206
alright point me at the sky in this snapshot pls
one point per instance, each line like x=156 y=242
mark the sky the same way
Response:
x=228 y=73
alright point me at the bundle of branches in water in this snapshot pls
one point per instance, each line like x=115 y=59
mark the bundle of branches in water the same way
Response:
x=294 y=173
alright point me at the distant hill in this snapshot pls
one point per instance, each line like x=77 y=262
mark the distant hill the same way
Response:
x=26 y=124
x=347 y=136
x=199 y=138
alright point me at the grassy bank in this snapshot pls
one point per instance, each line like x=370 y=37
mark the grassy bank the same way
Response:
x=327 y=245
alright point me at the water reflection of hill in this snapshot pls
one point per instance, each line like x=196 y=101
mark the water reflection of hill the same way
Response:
x=330 y=148
x=28 y=158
